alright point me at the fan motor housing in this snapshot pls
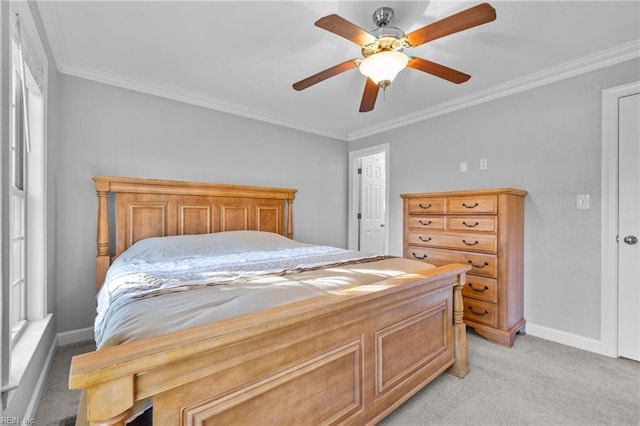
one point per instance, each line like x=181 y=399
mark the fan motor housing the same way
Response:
x=383 y=43
x=387 y=38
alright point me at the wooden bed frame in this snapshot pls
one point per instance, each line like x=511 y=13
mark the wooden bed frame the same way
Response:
x=349 y=357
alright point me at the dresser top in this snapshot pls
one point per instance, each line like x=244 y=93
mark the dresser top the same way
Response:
x=471 y=192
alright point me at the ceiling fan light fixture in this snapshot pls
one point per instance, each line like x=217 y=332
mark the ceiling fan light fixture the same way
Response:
x=382 y=48
x=383 y=67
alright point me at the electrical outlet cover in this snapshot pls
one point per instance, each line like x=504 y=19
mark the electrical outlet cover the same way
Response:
x=582 y=202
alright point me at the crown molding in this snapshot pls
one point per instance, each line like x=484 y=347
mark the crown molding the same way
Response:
x=618 y=54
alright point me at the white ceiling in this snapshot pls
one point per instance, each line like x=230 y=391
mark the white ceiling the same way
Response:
x=242 y=57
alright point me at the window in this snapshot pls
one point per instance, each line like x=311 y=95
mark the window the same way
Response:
x=23 y=197
x=17 y=210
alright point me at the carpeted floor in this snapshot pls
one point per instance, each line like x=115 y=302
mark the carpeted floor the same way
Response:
x=58 y=403
x=536 y=382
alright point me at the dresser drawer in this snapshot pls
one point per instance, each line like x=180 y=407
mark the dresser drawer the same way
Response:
x=426 y=222
x=481 y=264
x=472 y=205
x=426 y=205
x=481 y=312
x=481 y=288
x=485 y=243
x=470 y=223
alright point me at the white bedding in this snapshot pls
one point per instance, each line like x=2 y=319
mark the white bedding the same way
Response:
x=226 y=274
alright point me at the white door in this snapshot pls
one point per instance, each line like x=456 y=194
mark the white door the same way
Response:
x=372 y=191
x=629 y=227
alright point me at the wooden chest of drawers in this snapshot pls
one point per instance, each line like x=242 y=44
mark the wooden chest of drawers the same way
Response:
x=482 y=228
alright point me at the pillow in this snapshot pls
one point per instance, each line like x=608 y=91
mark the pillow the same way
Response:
x=215 y=244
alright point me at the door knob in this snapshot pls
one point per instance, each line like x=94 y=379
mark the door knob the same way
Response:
x=630 y=239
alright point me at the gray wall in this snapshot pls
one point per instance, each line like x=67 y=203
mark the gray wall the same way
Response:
x=112 y=131
x=547 y=141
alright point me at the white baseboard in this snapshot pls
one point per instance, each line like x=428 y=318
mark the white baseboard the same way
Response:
x=569 y=339
x=75 y=336
x=558 y=336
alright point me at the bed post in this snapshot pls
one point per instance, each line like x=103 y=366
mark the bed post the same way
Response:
x=290 y=218
x=120 y=395
x=103 y=259
x=460 y=368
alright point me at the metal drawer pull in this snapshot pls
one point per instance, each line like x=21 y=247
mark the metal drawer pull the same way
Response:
x=428 y=206
x=479 y=290
x=470 y=262
x=470 y=225
x=478 y=313
x=425 y=224
x=470 y=207
x=418 y=257
x=423 y=240
x=471 y=244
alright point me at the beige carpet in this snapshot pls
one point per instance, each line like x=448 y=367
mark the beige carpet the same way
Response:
x=58 y=402
x=536 y=382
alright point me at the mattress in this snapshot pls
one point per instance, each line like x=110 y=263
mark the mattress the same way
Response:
x=165 y=284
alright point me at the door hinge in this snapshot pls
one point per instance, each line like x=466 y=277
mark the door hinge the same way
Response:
x=360 y=170
x=359 y=216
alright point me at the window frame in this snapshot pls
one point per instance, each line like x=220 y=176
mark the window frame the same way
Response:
x=17 y=349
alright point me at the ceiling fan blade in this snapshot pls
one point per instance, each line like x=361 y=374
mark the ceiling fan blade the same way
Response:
x=369 y=96
x=469 y=18
x=347 y=29
x=438 y=70
x=323 y=75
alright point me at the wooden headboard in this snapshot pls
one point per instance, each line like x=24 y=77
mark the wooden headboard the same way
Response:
x=144 y=208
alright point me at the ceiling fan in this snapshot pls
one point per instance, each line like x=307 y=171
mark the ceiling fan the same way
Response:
x=383 y=48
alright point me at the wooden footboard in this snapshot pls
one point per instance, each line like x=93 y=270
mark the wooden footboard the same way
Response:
x=350 y=357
